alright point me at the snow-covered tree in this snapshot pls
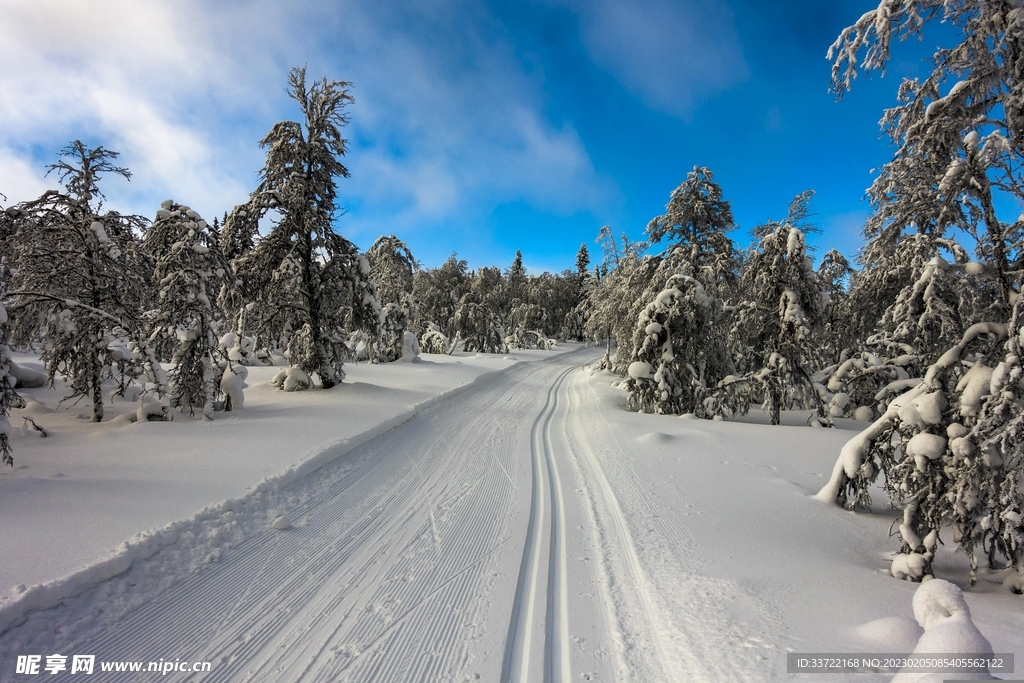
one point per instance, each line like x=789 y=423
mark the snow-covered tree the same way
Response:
x=187 y=275
x=677 y=359
x=435 y=341
x=388 y=347
x=941 y=464
x=948 y=447
x=80 y=276
x=695 y=221
x=959 y=133
x=8 y=397
x=834 y=273
x=479 y=326
x=392 y=268
x=678 y=350
x=304 y=282
x=438 y=291
x=614 y=301
x=574 y=322
x=514 y=288
x=776 y=317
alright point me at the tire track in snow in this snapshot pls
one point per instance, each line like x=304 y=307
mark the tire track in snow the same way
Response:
x=527 y=602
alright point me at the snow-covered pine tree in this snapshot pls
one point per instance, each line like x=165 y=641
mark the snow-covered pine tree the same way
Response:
x=479 y=325
x=392 y=268
x=293 y=276
x=435 y=341
x=955 y=151
x=677 y=361
x=988 y=490
x=938 y=469
x=514 y=289
x=526 y=325
x=777 y=315
x=574 y=324
x=188 y=272
x=834 y=273
x=678 y=352
x=80 y=275
x=695 y=221
x=438 y=291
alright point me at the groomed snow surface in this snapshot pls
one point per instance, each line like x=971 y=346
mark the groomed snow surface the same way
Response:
x=522 y=528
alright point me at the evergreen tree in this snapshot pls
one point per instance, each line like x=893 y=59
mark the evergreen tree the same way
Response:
x=188 y=272
x=670 y=371
x=438 y=292
x=392 y=269
x=949 y=446
x=79 y=274
x=8 y=397
x=955 y=151
x=479 y=326
x=695 y=222
x=613 y=302
x=834 y=273
x=777 y=318
x=302 y=273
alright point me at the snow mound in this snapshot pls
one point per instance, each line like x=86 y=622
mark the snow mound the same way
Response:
x=233 y=383
x=1015 y=582
x=292 y=378
x=889 y=634
x=26 y=378
x=908 y=566
x=282 y=523
x=940 y=609
x=34 y=407
x=864 y=414
x=655 y=438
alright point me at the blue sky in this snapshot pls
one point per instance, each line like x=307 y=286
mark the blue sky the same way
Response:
x=479 y=126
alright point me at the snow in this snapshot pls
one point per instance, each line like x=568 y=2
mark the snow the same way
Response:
x=925 y=446
x=125 y=478
x=943 y=614
x=524 y=521
x=640 y=370
x=974 y=386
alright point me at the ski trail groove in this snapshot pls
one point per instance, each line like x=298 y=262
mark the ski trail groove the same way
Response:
x=637 y=577
x=519 y=646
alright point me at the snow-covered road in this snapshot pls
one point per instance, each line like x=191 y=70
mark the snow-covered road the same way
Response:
x=481 y=540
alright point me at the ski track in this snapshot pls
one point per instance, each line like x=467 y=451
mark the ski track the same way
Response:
x=519 y=653
x=400 y=562
x=669 y=620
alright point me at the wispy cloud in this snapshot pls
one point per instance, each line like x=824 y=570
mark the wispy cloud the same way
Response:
x=446 y=122
x=670 y=53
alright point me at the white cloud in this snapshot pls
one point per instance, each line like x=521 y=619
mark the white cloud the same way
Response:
x=446 y=121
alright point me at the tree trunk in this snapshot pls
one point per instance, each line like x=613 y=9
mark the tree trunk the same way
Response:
x=96 y=389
